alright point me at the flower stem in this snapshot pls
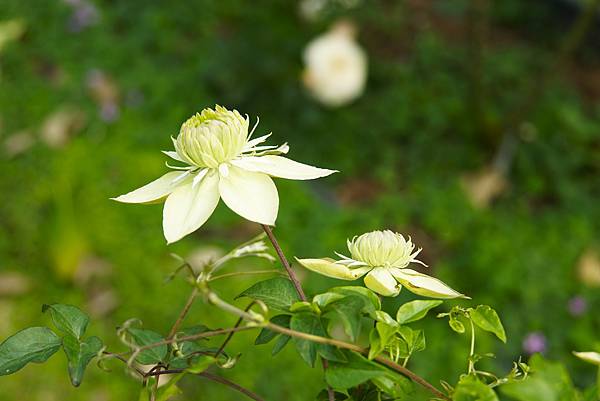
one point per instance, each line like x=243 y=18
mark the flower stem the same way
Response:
x=472 y=351
x=285 y=262
x=183 y=313
x=297 y=286
x=215 y=300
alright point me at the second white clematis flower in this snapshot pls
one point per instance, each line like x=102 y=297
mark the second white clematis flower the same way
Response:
x=383 y=256
x=221 y=162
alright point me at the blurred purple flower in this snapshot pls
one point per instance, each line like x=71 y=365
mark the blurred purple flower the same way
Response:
x=109 y=112
x=577 y=306
x=84 y=14
x=534 y=342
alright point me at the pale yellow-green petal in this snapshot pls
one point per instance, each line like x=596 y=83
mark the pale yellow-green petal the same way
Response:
x=382 y=282
x=189 y=206
x=153 y=191
x=329 y=268
x=591 y=357
x=422 y=284
x=251 y=195
x=282 y=167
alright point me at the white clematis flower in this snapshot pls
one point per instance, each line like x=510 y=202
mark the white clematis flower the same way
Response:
x=221 y=161
x=336 y=66
x=383 y=256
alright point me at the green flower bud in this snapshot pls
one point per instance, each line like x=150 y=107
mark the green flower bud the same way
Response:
x=383 y=248
x=212 y=137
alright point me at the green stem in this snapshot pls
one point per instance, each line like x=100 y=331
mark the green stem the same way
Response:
x=472 y=351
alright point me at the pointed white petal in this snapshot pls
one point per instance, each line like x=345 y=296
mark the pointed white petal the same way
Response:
x=422 y=284
x=189 y=206
x=278 y=166
x=252 y=143
x=382 y=282
x=173 y=155
x=251 y=195
x=591 y=357
x=328 y=267
x=154 y=191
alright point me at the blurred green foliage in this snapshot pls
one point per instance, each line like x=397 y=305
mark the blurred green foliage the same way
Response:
x=403 y=148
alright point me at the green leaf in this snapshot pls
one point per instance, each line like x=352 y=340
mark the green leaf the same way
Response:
x=322 y=300
x=280 y=344
x=311 y=324
x=487 y=319
x=456 y=325
x=357 y=370
x=267 y=335
x=373 y=302
x=471 y=389
x=277 y=293
x=146 y=337
x=68 y=319
x=35 y=344
x=201 y=363
x=397 y=386
x=349 y=311
x=415 y=310
x=549 y=381
x=79 y=354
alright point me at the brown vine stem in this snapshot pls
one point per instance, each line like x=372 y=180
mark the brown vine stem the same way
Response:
x=285 y=262
x=210 y=376
x=297 y=285
x=183 y=313
x=218 y=302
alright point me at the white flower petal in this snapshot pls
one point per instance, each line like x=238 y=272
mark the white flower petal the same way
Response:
x=422 y=284
x=328 y=267
x=282 y=167
x=189 y=206
x=154 y=191
x=251 y=195
x=173 y=155
x=591 y=357
x=253 y=142
x=382 y=282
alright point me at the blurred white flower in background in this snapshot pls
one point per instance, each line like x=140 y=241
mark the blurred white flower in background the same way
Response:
x=335 y=66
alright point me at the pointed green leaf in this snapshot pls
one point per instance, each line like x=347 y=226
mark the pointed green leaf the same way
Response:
x=79 y=354
x=267 y=335
x=456 y=325
x=349 y=311
x=357 y=370
x=280 y=344
x=68 y=319
x=487 y=319
x=471 y=389
x=415 y=310
x=144 y=337
x=35 y=344
x=277 y=293
x=373 y=304
x=311 y=324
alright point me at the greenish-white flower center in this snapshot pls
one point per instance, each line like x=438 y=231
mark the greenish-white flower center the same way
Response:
x=383 y=249
x=213 y=137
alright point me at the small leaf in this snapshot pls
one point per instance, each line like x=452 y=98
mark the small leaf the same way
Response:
x=373 y=304
x=144 y=337
x=349 y=311
x=68 y=319
x=280 y=344
x=415 y=310
x=277 y=293
x=267 y=335
x=201 y=363
x=487 y=319
x=311 y=324
x=456 y=325
x=471 y=389
x=322 y=300
x=35 y=344
x=357 y=370
x=79 y=354
x=396 y=385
